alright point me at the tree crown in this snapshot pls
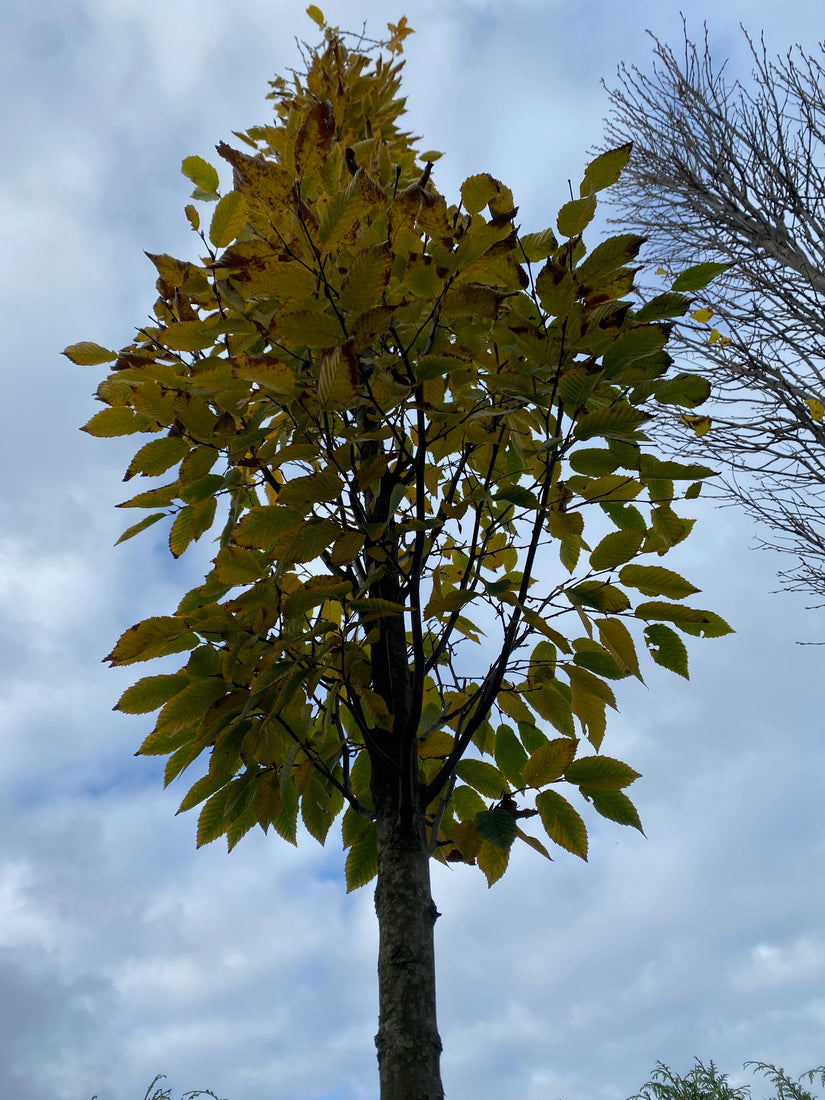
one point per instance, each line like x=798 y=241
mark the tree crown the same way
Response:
x=421 y=434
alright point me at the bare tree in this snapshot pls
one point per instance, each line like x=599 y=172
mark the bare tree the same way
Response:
x=735 y=174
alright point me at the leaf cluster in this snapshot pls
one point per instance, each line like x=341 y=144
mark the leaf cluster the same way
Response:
x=419 y=439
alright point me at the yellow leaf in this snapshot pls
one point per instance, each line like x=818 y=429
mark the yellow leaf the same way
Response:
x=315 y=13
x=816 y=407
x=660 y=271
x=228 y=220
x=703 y=315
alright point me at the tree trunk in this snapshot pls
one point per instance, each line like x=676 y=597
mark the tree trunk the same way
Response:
x=408 y=1043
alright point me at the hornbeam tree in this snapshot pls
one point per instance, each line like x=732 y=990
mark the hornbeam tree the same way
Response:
x=424 y=441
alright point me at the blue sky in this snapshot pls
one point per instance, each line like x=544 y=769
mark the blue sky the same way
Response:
x=123 y=951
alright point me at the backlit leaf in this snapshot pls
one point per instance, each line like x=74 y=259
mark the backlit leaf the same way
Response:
x=497 y=826
x=697 y=277
x=88 y=354
x=362 y=861
x=228 y=219
x=151 y=692
x=654 y=580
x=600 y=773
x=562 y=823
x=155 y=637
x=550 y=761
x=667 y=649
x=493 y=860
x=616 y=806
x=201 y=173
x=482 y=776
x=605 y=169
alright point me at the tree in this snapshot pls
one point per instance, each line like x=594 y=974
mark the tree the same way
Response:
x=736 y=174
x=405 y=410
x=707 y=1083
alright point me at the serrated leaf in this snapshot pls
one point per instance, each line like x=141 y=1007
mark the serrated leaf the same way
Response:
x=497 y=826
x=477 y=191
x=605 y=169
x=562 y=823
x=549 y=761
x=190 y=523
x=711 y=626
x=211 y=822
x=617 y=640
x=538 y=246
x=509 y=753
x=201 y=173
x=305 y=492
x=599 y=595
x=616 y=806
x=375 y=709
x=111 y=422
x=156 y=456
x=697 y=277
x=311 y=328
x=362 y=861
x=667 y=649
x=467 y=802
x=670 y=612
x=154 y=637
x=576 y=215
x=600 y=773
x=367 y=279
x=228 y=219
x=616 y=548
x=88 y=354
x=655 y=580
x=615 y=422
x=136 y=528
x=483 y=777
x=685 y=390
x=493 y=860
x=236 y=565
x=190 y=335
x=188 y=705
x=151 y=692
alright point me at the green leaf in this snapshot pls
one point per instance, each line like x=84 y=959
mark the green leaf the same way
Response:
x=484 y=777
x=189 y=704
x=201 y=173
x=155 y=637
x=599 y=595
x=670 y=612
x=477 y=191
x=593 y=461
x=190 y=523
x=562 y=823
x=498 y=826
x=697 y=277
x=113 y=421
x=576 y=215
x=549 y=761
x=616 y=806
x=615 y=422
x=654 y=580
x=228 y=219
x=136 y=528
x=617 y=640
x=493 y=860
x=212 y=822
x=685 y=390
x=667 y=649
x=88 y=354
x=616 y=548
x=362 y=861
x=467 y=802
x=151 y=692
x=510 y=755
x=538 y=246
x=600 y=773
x=156 y=456
x=711 y=626
x=595 y=658
x=605 y=170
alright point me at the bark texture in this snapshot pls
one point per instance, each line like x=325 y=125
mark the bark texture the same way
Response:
x=408 y=1043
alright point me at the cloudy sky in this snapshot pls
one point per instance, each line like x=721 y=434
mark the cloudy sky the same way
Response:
x=124 y=952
